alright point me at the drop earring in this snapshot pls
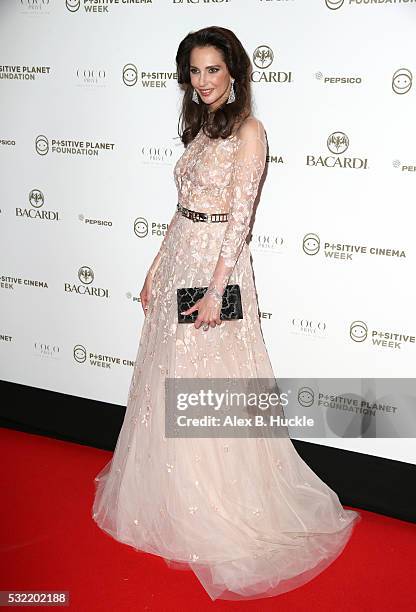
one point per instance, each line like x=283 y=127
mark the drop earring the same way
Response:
x=231 y=96
x=195 y=96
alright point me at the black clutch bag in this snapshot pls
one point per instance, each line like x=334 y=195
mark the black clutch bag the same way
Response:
x=231 y=308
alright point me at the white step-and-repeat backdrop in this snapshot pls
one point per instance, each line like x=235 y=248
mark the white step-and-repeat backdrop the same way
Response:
x=88 y=141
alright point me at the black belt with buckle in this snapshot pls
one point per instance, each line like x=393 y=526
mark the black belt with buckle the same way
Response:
x=194 y=215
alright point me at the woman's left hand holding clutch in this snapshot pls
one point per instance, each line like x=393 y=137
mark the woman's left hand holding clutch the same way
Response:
x=209 y=309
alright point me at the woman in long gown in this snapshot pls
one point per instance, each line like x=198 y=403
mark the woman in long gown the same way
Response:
x=247 y=515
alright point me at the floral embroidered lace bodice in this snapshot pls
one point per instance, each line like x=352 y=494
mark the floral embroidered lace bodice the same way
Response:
x=222 y=176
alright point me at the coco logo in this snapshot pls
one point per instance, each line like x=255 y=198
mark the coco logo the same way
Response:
x=89 y=75
x=401 y=82
x=73 y=5
x=311 y=244
x=156 y=154
x=263 y=57
x=41 y=145
x=46 y=350
x=34 y=4
x=130 y=75
x=358 y=331
x=306 y=397
x=141 y=227
x=265 y=242
x=80 y=353
x=337 y=143
x=85 y=275
x=306 y=325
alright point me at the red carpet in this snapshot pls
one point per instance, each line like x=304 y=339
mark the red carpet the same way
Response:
x=50 y=542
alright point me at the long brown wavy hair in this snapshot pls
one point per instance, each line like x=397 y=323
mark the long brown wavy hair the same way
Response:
x=221 y=121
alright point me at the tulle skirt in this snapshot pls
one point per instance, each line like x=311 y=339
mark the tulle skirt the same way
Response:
x=246 y=515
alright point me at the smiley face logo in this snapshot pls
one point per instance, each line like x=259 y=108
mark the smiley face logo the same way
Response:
x=130 y=75
x=80 y=353
x=140 y=227
x=402 y=81
x=41 y=145
x=36 y=198
x=85 y=275
x=311 y=244
x=73 y=5
x=263 y=57
x=306 y=397
x=333 y=5
x=337 y=142
x=358 y=331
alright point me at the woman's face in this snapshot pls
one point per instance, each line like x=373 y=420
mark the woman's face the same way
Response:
x=209 y=76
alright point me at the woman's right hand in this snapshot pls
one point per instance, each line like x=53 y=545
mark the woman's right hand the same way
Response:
x=146 y=292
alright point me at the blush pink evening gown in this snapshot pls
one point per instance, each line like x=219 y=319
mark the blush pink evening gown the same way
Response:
x=247 y=516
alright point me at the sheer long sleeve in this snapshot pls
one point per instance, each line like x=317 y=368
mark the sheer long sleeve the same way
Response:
x=247 y=172
x=162 y=247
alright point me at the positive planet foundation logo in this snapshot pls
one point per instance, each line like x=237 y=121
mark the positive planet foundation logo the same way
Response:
x=333 y=5
x=22 y=72
x=141 y=228
x=41 y=145
x=306 y=397
x=71 y=147
x=350 y=407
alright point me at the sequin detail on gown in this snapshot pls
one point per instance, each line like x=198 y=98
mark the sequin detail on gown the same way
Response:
x=247 y=516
